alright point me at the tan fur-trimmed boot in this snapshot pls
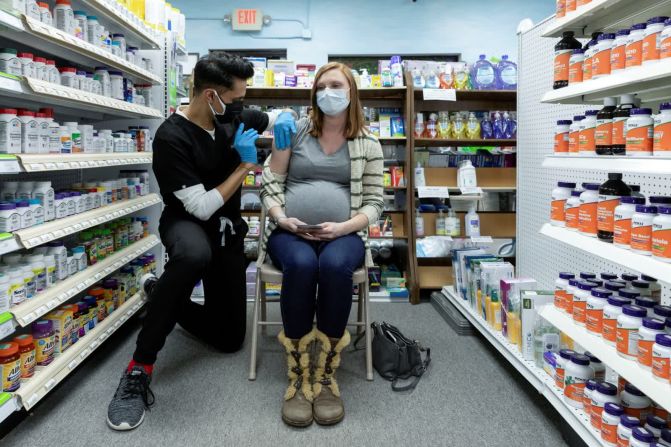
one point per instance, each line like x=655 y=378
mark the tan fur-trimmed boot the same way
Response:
x=327 y=405
x=297 y=406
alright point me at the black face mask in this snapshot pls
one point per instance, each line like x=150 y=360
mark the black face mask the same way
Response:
x=232 y=113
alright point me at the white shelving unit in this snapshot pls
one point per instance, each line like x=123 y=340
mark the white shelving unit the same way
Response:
x=48 y=377
x=609 y=252
x=606 y=15
x=636 y=165
x=63 y=162
x=29 y=311
x=538 y=378
x=649 y=82
x=629 y=369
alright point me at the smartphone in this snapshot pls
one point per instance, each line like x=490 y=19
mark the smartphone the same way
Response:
x=306 y=228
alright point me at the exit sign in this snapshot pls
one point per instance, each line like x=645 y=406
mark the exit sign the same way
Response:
x=247 y=20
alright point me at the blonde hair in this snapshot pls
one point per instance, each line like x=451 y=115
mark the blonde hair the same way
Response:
x=355 y=125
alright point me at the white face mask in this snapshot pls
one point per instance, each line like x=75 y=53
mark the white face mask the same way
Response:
x=223 y=107
x=332 y=101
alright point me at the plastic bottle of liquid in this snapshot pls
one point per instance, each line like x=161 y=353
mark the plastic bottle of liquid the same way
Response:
x=499 y=126
x=563 y=51
x=419 y=224
x=610 y=193
x=462 y=77
x=431 y=131
x=387 y=80
x=472 y=127
x=472 y=222
x=484 y=74
x=510 y=130
x=487 y=128
x=432 y=80
x=620 y=117
x=459 y=129
x=440 y=224
x=506 y=74
x=604 y=127
x=453 y=224
x=444 y=125
x=420 y=180
x=419 y=126
x=466 y=177
x=418 y=80
x=396 y=71
x=447 y=77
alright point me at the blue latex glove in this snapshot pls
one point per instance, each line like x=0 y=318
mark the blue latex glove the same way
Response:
x=245 y=144
x=285 y=127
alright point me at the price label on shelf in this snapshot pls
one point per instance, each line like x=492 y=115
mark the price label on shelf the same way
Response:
x=439 y=94
x=6 y=325
x=471 y=190
x=435 y=192
x=482 y=239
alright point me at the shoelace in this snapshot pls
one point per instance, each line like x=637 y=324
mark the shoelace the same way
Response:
x=137 y=384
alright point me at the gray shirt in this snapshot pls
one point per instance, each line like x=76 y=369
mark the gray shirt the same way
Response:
x=318 y=185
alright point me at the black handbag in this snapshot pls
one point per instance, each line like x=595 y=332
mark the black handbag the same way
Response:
x=396 y=357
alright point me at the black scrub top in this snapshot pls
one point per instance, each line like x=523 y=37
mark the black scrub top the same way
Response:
x=186 y=155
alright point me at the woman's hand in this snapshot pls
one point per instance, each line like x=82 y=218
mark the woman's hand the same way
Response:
x=331 y=231
x=291 y=224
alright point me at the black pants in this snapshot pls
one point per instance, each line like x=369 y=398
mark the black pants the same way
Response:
x=196 y=254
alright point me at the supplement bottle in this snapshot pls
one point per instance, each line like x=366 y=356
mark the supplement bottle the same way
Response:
x=29 y=132
x=9 y=62
x=574 y=135
x=10 y=219
x=594 y=310
x=665 y=41
x=647 y=303
x=597 y=366
x=587 y=217
x=635 y=403
x=629 y=293
x=601 y=56
x=580 y=301
x=605 y=393
x=10 y=367
x=5 y=299
x=10 y=132
x=45 y=194
x=40 y=64
x=60 y=254
x=45 y=342
x=587 y=137
x=610 y=418
x=661 y=356
x=576 y=374
x=661 y=145
x=604 y=127
x=562 y=359
x=590 y=50
x=68 y=76
x=634 y=49
x=624 y=429
x=615 y=286
x=641 y=437
x=639 y=132
x=655 y=424
x=561 y=136
x=17 y=287
x=618 y=55
x=590 y=387
x=622 y=220
x=64 y=16
x=628 y=325
x=636 y=191
x=651 y=39
x=562 y=59
x=646 y=339
x=27 y=64
x=665 y=438
x=571 y=211
x=561 y=284
x=620 y=117
x=559 y=197
x=570 y=292
x=661 y=312
x=641 y=229
x=27 y=352
x=610 y=193
x=575 y=70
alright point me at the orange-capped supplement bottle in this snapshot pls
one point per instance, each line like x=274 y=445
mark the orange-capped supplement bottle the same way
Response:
x=27 y=352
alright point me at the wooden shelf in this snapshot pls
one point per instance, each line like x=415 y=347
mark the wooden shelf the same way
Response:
x=487 y=177
x=434 y=277
x=434 y=262
x=303 y=94
x=439 y=142
x=501 y=225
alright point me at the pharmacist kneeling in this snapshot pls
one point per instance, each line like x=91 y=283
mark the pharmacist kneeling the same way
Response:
x=201 y=156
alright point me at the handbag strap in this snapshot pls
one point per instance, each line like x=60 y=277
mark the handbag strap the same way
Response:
x=418 y=372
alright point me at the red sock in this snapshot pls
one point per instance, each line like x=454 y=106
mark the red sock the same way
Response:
x=148 y=368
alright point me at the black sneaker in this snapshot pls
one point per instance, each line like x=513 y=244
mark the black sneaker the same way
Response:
x=147 y=283
x=132 y=398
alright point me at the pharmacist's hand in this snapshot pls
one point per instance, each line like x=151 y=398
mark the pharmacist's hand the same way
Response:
x=245 y=144
x=285 y=127
x=331 y=231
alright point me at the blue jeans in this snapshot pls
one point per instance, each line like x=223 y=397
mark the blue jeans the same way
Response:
x=308 y=264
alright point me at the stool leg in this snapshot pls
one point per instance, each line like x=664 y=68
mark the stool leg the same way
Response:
x=360 y=310
x=264 y=309
x=255 y=329
x=368 y=335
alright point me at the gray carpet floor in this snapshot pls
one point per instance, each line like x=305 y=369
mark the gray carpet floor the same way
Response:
x=470 y=396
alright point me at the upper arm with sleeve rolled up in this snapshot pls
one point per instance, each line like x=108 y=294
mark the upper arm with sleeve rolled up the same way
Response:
x=272 y=192
x=373 y=186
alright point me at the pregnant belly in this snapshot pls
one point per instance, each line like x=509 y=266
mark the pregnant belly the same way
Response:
x=318 y=202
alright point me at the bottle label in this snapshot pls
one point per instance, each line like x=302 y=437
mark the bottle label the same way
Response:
x=609 y=433
x=662 y=137
x=560 y=297
x=557 y=211
x=634 y=54
x=583 y=2
x=618 y=131
x=650 y=48
x=640 y=413
x=594 y=320
x=559 y=377
x=587 y=141
x=573 y=139
x=587 y=68
x=623 y=440
x=645 y=352
x=10 y=376
x=575 y=73
x=604 y=132
x=571 y=217
x=579 y=312
x=641 y=237
x=626 y=340
x=601 y=63
x=639 y=138
x=28 y=364
x=660 y=365
x=561 y=66
x=661 y=242
x=622 y=231
x=561 y=143
x=587 y=222
x=570 y=6
x=568 y=302
x=665 y=47
x=595 y=416
x=617 y=58
x=575 y=388
x=605 y=212
x=609 y=329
